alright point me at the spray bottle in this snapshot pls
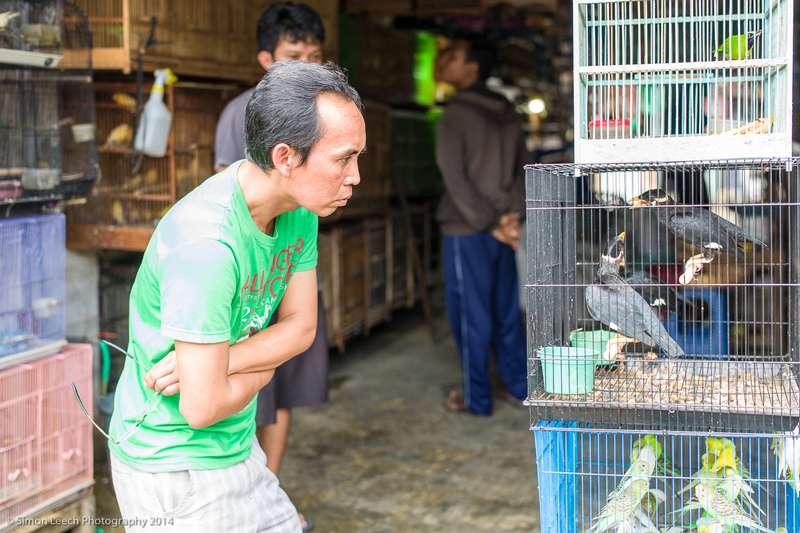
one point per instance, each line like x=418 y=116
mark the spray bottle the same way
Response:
x=154 y=124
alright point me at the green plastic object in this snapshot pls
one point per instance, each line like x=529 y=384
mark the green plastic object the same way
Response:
x=424 y=66
x=105 y=367
x=567 y=370
x=596 y=340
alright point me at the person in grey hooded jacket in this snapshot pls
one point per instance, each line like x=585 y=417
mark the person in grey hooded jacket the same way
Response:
x=481 y=153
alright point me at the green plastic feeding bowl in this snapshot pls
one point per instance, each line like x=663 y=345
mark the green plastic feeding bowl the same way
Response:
x=594 y=340
x=568 y=370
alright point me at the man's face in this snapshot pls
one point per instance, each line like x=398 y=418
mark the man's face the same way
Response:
x=452 y=66
x=325 y=181
x=308 y=51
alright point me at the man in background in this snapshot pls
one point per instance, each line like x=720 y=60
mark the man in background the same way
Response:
x=481 y=152
x=286 y=31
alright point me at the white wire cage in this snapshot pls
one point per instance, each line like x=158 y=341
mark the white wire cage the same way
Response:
x=670 y=80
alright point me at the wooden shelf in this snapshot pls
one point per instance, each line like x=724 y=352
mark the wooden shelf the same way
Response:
x=115 y=150
x=86 y=237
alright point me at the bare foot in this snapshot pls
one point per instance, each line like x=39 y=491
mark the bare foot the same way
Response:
x=455 y=402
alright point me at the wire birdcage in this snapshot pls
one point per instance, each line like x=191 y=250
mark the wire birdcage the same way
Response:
x=32 y=281
x=676 y=306
x=682 y=485
x=678 y=80
x=47 y=125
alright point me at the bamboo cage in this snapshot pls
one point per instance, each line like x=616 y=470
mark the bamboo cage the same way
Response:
x=195 y=37
x=133 y=194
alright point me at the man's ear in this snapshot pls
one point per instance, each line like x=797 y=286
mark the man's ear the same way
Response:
x=283 y=158
x=265 y=59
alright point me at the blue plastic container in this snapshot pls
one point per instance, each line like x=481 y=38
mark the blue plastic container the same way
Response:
x=706 y=338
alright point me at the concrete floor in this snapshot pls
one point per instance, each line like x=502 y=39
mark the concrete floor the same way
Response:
x=385 y=456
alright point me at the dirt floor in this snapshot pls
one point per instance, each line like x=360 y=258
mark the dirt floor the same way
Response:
x=385 y=456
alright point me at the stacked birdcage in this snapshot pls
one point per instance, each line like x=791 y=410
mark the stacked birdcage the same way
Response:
x=32 y=281
x=663 y=275
x=47 y=146
x=663 y=313
x=682 y=80
x=608 y=480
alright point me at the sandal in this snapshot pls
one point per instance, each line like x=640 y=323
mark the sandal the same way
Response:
x=506 y=396
x=306 y=524
x=455 y=402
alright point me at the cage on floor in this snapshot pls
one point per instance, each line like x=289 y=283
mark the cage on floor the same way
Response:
x=673 y=301
x=662 y=482
x=681 y=80
x=46 y=452
x=32 y=279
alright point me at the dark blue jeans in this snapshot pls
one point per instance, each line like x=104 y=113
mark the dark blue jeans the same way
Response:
x=482 y=297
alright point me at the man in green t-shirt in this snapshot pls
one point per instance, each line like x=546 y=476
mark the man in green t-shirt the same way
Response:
x=226 y=257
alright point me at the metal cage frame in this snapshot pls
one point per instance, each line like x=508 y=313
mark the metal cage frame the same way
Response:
x=649 y=84
x=748 y=385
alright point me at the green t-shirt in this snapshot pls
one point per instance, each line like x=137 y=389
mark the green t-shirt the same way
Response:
x=208 y=275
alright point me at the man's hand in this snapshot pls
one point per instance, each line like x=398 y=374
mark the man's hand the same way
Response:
x=508 y=229
x=163 y=377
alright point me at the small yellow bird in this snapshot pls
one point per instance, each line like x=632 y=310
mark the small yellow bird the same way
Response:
x=120 y=136
x=125 y=101
x=151 y=177
x=117 y=213
x=133 y=184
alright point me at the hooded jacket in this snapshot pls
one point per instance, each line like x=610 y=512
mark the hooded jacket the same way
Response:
x=480 y=150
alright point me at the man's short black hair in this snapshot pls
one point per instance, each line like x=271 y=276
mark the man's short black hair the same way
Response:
x=290 y=21
x=483 y=53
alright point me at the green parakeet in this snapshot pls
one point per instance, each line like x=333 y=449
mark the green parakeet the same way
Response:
x=706 y=524
x=623 y=509
x=738 y=47
x=721 y=509
x=650 y=441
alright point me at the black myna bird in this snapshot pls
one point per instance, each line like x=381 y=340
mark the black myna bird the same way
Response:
x=660 y=296
x=697 y=226
x=705 y=233
x=613 y=302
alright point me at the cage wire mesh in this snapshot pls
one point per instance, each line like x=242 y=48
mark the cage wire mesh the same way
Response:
x=77 y=123
x=31 y=26
x=695 y=75
x=47 y=448
x=663 y=482
x=672 y=301
x=47 y=147
x=32 y=280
